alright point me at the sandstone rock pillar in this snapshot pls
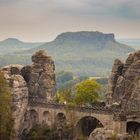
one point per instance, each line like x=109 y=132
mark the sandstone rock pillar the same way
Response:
x=40 y=77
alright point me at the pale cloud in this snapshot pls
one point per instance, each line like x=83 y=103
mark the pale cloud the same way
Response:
x=119 y=8
x=45 y=19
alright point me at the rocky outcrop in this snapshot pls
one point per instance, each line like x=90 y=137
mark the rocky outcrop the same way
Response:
x=40 y=76
x=34 y=81
x=19 y=91
x=104 y=134
x=124 y=82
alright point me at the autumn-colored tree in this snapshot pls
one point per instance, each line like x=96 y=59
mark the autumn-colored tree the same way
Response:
x=87 y=92
x=6 y=120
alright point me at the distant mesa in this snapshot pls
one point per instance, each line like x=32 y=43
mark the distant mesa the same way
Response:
x=82 y=53
x=85 y=36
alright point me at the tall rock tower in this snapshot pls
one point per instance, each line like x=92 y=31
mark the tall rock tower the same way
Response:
x=40 y=76
x=124 y=83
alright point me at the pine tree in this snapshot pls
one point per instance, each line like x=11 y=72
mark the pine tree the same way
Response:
x=6 y=119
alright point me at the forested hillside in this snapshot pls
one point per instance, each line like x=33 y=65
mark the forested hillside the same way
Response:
x=82 y=53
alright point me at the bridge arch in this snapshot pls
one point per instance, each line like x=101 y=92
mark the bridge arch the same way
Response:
x=46 y=118
x=133 y=127
x=24 y=134
x=34 y=117
x=60 y=120
x=60 y=116
x=87 y=124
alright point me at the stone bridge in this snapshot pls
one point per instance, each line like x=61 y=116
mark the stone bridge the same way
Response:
x=45 y=111
x=85 y=119
x=34 y=86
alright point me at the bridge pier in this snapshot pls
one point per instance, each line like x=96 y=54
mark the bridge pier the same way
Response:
x=119 y=123
x=119 y=126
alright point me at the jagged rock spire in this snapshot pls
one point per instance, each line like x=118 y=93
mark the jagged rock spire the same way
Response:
x=124 y=82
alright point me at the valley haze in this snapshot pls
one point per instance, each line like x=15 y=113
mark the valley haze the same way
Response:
x=87 y=53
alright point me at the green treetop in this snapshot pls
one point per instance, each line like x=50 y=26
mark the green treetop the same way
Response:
x=87 y=92
x=64 y=95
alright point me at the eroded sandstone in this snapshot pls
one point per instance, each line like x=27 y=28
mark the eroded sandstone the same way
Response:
x=33 y=81
x=124 y=82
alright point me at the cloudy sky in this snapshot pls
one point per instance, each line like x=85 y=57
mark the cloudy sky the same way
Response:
x=43 y=20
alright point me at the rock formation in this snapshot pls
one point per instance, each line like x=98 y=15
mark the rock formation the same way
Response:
x=25 y=82
x=40 y=76
x=104 y=134
x=124 y=82
x=19 y=91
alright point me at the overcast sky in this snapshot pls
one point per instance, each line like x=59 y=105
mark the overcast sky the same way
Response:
x=43 y=20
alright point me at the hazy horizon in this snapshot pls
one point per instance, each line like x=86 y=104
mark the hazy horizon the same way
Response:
x=43 y=20
x=34 y=41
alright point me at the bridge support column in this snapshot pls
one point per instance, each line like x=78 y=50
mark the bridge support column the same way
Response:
x=40 y=116
x=119 y=124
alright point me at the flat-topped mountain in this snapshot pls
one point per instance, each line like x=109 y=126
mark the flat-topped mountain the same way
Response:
x=83 y=53
x=85 y=37
x=95 y=40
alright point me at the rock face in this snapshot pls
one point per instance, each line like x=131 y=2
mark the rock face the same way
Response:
x=19 y=91
x=40 y=76
x=124 y=82
x=35 y=80
x=104 y=134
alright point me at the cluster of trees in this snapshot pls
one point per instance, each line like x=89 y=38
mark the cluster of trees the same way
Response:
x=66 y=80
x=87 y=92
x=43 y=132
x=83 y=93
x=63 y=79
x=6 y=119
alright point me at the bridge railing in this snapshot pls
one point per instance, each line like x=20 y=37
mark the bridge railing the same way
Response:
x=98 y=108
